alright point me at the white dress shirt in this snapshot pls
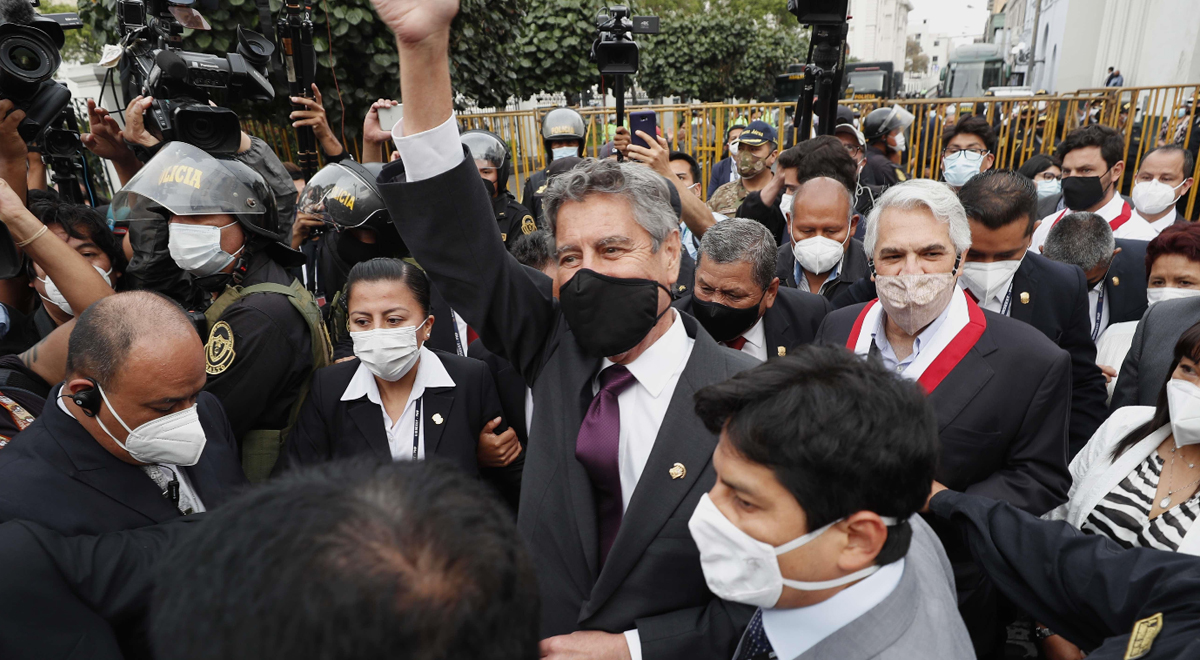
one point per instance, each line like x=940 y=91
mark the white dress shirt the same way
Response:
x=460 y=333
x=794 y=631
x=1093 y=300
x=430 y=373
x=1135 y=228
x=885 y=348
x=756 y=341
x=1165 y=221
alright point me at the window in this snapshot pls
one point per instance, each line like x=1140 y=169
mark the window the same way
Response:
x=935 y=59
x=918 y=36
x=935 y=43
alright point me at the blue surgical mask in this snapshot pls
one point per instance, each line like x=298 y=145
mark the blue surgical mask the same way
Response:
x=959 y=168
x=563 y=152
x=1048 y=188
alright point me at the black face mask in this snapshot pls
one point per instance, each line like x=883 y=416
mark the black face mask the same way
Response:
x=353 y=251
x=722 y=321
x=610 y=315
x=1082 y=192
x=490 y=187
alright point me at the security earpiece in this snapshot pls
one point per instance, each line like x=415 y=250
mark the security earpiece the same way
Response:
x=88 y=399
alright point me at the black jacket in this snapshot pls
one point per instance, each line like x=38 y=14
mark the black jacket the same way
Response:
x=1052 y=297
x=54 y=473
x=792 y=321
x=771 y=217
x=854 y=267
x=1125 y=283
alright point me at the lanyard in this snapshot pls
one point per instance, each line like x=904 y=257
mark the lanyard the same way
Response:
x=1007 y=304
x=458 y=345
x=417 y=428
x=1099 y=311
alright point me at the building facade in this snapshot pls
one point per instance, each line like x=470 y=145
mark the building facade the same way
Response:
x=877 y=30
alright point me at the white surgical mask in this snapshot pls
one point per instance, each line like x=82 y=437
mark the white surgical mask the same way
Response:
x=1183 y=402
x=733 y=149
x=1159 y=294
x=1150 y=197
x=900 y=144
x=1049 y=188
x=175 y=439
x=959 y=168
x=739 y=568
x=563 y=152
x=985 y=280
x=197 y=248
x=55 y=297
x=819 y=254
x=387 y=352
x=786 y=202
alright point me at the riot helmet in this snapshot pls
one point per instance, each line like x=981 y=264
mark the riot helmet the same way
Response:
x=488 y=147
x=563 y=124
x=347 y=195
x=881 y=122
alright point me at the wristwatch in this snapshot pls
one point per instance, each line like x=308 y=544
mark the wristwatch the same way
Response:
x=1042 y=632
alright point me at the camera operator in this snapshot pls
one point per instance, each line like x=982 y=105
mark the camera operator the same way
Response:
x=264 y=335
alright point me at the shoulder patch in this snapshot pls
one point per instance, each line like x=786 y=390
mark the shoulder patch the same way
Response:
x=218 y=352
x=1143 y=635
x=901 y=175
x=528 y=226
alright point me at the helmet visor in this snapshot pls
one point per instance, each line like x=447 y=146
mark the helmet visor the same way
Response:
x=900 y=119
x=185 y=180
x=485 y=147
x=342 y=196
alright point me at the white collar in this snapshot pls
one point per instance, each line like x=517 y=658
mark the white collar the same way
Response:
x=756 y=336
x=1165 y=221
x=792 y=632
x=654 y=367
x=1113 y=208
x=430 y=373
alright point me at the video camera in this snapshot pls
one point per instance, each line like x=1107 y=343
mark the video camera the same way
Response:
x=29 y=57
x=825 y=65
x=182 y=82
x=615 y=51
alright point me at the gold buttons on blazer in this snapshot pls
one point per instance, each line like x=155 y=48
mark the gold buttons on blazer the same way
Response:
x=1024 y=297
x=437 y=418
x=677 y=471
x=1116 y=281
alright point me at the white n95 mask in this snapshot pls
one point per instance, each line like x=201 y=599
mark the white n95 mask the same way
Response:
x=1183 y=402
x=786 y=202
x=1159 y=294
x=819 y=254
x=197 y=248
x=387 y=352
x=175 y=439
x=1150 y=197
x=739 y=568
x=56 y=298
x=985 y=280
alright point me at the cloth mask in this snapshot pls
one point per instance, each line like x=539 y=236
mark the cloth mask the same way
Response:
x=558 y=153
x=389 y=353
x=1082 y=192
x=959 y=168
x=1150 y=197
x=55 y=297
x=175 y=439
x=1183 y=402
x=985 y=280
x=749 y=165
x=1159 y=294
x=913 y=301
x=197 y=248
x=740 y=568
x=610 y=315
x=722 y=321
x=819 y=254
x=1048 y=188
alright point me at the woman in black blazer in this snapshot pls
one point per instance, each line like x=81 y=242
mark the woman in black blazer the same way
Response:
x=397 y=399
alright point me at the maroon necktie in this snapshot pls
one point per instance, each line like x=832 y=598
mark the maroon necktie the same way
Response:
x=598 y=447
x=736 y=343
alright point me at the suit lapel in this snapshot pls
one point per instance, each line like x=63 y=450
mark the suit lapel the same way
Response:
x=369 y=420
x=1024 y=288
x=778 y=332
x=961 y=385
x=435 y=410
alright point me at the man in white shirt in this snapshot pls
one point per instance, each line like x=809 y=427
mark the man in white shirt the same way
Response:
x=617 y=459
x=858 y=574
x=737 y=297
x=1164 y=177
x=1091 y=169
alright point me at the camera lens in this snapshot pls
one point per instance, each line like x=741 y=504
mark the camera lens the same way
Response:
x=25 y=58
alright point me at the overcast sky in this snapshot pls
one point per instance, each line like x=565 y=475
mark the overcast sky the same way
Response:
x=954 y=17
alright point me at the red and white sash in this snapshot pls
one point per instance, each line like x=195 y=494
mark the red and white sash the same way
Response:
x=964 y=325
x=1115 y=223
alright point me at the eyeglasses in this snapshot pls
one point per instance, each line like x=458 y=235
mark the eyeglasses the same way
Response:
x=977 y=153
x=852 y=148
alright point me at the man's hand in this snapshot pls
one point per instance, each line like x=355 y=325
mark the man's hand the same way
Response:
x=586 y=645
x=315 y=117
x=497 y=450
x=372 y=130
x=657 y=155
x=105 y=139
x=303 y=226
x=1057 y=648
x=937 y=488
x=621 y=140
x=12 y=145
x=413 y=21
x=14 y=213
x=772 y=191
x=1109 y=373
x=135 y=124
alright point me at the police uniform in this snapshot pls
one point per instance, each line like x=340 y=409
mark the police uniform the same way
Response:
x=559 y=125
x=514 y=219
x=531 y=193
x=880 y=171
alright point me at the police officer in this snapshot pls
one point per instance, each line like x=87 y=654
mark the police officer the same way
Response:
x=884 y=131
x=263 y=330
x=564 y=133
x=494 y=161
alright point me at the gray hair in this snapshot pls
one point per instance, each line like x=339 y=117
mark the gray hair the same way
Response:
x=739 y=239
x=934 y=196
x=648 y=194
x=1082 y=239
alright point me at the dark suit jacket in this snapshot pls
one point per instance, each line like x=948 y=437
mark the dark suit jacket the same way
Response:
x=1125 y=283
x=687 y=276
x=771 y=217
x=510 y=387
x=1058 y=307
x=792 y=321
x=854 y=268
x=82 y=596
x=54 y=473
x=652 y=579
x=1147 y=365
x=719 y=176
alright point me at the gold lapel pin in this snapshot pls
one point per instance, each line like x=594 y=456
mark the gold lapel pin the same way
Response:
x=1024 y=297
x=677 y=471
x=437 y=418
x=782 y=350
x=1116 y=281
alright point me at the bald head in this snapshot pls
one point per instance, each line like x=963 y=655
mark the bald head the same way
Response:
x=114 y=329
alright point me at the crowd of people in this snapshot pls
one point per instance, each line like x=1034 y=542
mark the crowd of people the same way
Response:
x=837 y=410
